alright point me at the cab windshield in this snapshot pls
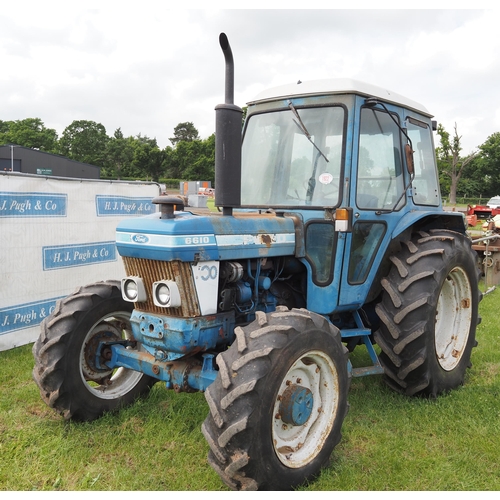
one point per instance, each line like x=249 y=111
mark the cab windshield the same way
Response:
x=293 y=158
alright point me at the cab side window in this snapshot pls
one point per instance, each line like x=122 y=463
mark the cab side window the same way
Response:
x=425 y=184
x=380 y=175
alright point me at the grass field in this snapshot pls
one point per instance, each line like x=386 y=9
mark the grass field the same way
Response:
x=390 y=442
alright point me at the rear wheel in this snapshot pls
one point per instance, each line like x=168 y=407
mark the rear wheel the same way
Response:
x=71 y=378
x=429 y=314
x=277 y=406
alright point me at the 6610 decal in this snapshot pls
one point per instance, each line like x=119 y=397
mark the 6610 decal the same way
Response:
x=197 y=240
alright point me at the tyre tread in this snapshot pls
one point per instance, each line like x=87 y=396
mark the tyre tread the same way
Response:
x=51 y=349
x=235 y=395
x=408 y=297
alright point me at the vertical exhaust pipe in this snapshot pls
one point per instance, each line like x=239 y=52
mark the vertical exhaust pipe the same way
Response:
x=228 y=119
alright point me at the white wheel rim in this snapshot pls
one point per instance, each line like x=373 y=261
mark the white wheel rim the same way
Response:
x=121 y=380
x=297 y=445
x=453 y=319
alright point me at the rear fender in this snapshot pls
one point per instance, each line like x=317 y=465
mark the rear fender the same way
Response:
x=412 y=221
x=453 y=221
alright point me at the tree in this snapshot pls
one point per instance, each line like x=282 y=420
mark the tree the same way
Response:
x=84 y=141
x=119 y=156
x=192 y=160
x=150 y=159
x=30 y=133
x=185 y=131
x=450 y=164
x=4 y=128
x=488 y=165
x=202 y=167
x=172 y=164
x=244 y=115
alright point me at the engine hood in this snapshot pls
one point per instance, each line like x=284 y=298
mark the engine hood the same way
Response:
x=194 y=238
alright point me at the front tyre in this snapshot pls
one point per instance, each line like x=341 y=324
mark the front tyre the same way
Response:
x=70 y=378
x=278 y=403
x=429 y=313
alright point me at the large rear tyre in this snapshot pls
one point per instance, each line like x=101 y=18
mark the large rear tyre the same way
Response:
x=70 y=379
x=429 y=313
x=278 y=403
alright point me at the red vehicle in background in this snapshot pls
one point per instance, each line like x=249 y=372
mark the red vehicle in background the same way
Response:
x=487 y=211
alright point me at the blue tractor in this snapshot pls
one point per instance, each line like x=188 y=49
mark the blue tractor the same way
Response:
x=330 y=235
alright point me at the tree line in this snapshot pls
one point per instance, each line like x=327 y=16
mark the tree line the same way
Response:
x=475 y=175
x=120 y=157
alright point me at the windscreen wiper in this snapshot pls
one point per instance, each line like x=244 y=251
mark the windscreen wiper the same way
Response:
x=311 y=184
x=303 y=128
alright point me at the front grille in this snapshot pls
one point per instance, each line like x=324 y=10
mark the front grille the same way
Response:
x=157 y=270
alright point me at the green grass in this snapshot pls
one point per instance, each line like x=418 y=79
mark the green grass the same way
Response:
x=211 y=205
x=390 y=442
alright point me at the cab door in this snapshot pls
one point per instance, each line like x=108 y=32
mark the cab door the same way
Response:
x=377 y=196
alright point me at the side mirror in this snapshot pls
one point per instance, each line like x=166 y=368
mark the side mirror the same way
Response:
x=409 y=159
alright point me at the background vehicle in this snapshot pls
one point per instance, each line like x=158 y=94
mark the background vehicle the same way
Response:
x=331 y=235
x=494 y=202
x=207 y=192
x=491 y=209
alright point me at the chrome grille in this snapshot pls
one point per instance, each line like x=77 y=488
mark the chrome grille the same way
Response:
x=157 y=270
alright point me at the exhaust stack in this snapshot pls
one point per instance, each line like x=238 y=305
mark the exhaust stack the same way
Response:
x=228 y=118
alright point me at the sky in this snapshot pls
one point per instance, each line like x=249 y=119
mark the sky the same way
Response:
x=144 y=67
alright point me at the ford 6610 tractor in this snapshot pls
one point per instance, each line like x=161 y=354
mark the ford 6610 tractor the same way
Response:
x=330 y=235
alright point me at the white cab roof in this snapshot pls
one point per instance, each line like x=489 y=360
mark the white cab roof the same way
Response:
x=337 y=86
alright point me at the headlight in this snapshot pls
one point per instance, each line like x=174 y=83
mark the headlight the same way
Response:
x=166 y=294
x=133 y=289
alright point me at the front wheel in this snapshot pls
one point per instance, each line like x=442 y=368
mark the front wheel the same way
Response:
x=278 y=403
x=71 y=379
x=429 y=313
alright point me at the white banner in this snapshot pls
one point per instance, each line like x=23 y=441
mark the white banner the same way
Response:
x=58 y=234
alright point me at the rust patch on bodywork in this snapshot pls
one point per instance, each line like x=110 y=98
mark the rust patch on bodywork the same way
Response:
x=266 y=239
